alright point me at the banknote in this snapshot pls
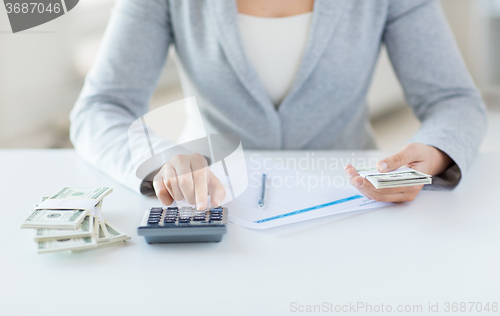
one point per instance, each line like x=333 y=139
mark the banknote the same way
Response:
x=71 y=220
x=102 y=234
x=110 y=236
x=65 y=244
x=86 y=229
x=82 y=193
x=54 y=219
x=115 y=234
x=398 y=178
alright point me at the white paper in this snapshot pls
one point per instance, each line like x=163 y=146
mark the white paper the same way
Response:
x=293 y=202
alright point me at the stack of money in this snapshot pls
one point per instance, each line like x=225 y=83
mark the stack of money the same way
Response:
x=398 y=178
x=72 y=220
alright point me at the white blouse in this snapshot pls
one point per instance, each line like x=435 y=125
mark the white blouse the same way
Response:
x=274 y=46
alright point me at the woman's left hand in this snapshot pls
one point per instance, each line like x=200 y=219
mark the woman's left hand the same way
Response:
x=423 y=158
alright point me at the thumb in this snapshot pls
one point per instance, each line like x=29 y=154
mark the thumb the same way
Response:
x=404 y=157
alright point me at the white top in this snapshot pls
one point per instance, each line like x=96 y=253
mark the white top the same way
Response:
x=274 y=46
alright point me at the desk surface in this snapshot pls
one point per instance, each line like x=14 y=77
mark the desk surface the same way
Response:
x=442 y=247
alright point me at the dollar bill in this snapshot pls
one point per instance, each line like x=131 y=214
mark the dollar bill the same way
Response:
x=54 y=219
x=115 y=234
x=86 y=229
x=111 y=236
x=82 y=193
x=103 y=235
x=398 y=178
x=65 y=244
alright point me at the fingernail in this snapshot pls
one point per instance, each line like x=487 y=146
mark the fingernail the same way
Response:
x=382 y=166
x=346 y=166
x=349 y=175
x=358 y=182
x=200 y=206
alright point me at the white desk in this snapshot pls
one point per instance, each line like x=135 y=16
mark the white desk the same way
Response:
x=443 y=247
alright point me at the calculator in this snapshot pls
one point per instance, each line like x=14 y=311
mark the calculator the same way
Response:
x=183 y=224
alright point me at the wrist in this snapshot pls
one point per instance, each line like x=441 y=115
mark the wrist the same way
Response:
x=440 y=161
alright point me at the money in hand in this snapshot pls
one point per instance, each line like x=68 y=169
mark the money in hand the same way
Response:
x=398 y=178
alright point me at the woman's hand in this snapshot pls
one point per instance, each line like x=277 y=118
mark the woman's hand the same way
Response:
x=188 y=176
x=423 y=158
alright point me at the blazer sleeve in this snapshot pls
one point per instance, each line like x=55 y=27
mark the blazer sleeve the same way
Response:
x=436 y=83
x=119 y=85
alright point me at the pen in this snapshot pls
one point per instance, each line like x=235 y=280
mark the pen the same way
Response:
x=263 y=193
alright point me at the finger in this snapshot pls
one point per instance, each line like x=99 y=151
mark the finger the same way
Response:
x=162 y=192
x=200 y=178
x=409 y=154
x=172 y=183
x=351 y=172
x=367 y=185
x=392 y=197
x=361 y=183
x=200 y=171
x=216 y=190
x=398 y=195
x=185 y=182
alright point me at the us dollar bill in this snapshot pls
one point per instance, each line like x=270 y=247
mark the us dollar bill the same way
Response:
x=115 y=234
x=55 y=219
x=86 y=229
x=102 y=235
x=65 y=244
x=82 y=193
x=398 y=178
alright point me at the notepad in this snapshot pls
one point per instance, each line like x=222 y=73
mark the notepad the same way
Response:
x=291 y=197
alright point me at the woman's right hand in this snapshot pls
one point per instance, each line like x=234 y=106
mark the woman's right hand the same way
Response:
x=189 y=177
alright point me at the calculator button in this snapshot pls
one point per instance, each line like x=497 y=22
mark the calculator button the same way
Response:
x=215 y=218
x=153 y=222
x=217 y=208
x=199 y=218
x=184 y=220
x=172 y=208
x=169 y=221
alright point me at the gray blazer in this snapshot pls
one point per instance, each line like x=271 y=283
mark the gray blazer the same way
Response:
x=325 y=108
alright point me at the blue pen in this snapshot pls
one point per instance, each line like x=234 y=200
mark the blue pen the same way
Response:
x=263 y=193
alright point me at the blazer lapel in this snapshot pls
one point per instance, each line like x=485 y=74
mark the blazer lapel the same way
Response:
x=225 y=14
x=326 y=15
